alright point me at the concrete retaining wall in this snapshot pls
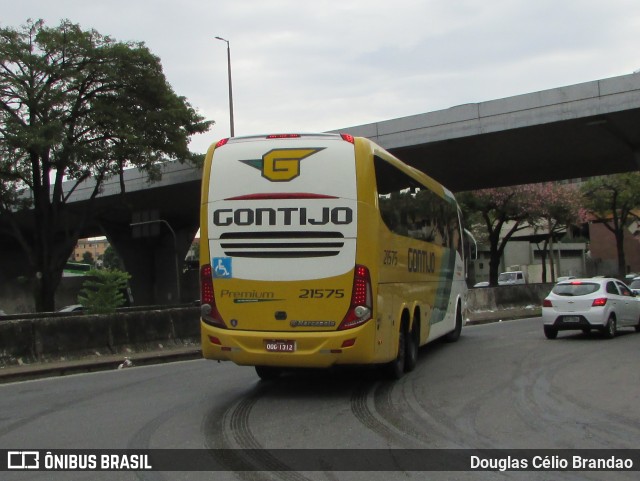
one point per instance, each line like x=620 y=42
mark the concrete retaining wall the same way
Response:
x=57 y=338
x=504 y=302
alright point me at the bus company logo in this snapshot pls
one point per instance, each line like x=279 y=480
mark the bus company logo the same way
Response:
x=282 y=165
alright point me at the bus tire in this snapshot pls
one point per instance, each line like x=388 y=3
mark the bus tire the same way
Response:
x=268 y=373
x=395 y=369
x=411 y=348
x=454 y=335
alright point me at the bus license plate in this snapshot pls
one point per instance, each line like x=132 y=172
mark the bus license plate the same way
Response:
x=280 y=345
x=571 y=319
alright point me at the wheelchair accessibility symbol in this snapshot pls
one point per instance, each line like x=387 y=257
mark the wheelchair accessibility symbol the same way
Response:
x=222 y=267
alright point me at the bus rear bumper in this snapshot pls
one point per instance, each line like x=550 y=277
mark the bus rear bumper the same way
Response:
x=309 y=349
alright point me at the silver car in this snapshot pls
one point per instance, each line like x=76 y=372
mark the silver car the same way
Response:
x=604 y=304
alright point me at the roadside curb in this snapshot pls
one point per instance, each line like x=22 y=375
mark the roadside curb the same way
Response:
x=485 y=317
x=95 y=363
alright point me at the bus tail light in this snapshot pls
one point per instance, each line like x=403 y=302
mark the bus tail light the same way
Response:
x=283 y=136
x=348 y=138
x=361 y=306
x=208 y=310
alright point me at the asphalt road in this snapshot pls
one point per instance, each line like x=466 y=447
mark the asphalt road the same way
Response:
x=501 y=385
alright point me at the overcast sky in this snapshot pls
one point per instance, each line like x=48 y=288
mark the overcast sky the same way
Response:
x=327 y=64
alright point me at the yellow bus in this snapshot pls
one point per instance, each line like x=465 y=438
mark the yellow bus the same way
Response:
x=324 y=249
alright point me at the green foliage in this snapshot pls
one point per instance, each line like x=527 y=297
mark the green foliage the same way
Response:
x=102 y=292
x=87 y=258
x=111 y=259
x=612 y=200
x=78 y=105
x=613 y=197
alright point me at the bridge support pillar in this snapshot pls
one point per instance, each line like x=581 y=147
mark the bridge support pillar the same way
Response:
x=155 y=263
x=14 y=263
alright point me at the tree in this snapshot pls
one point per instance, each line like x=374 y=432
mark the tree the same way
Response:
x=612 y=200
x=76 y=105
x=87 y=258
x=102 y=292
x=111 y=259
x=559 y=206
x=503 y=211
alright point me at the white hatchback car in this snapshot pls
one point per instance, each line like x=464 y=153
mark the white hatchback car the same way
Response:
x=635 y=285
x=584 y=304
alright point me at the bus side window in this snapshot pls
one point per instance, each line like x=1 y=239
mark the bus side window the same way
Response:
x=411 y=210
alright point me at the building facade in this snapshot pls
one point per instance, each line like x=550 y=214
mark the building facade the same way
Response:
x=96 y=247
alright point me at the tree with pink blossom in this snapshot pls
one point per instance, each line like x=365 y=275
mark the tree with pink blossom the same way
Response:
x=559 y=206
x=504 y=211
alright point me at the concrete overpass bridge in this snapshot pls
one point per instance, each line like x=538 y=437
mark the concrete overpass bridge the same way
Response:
x=580 y=130
x=168 y=210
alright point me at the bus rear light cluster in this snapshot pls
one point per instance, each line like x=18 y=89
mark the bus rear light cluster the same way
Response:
x=348 y=138
x=361 y=300
x=208 y=310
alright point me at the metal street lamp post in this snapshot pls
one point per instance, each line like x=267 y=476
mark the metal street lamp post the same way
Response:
x=230 y=89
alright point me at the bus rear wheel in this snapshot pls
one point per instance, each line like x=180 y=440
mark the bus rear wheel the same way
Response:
x=412 y=345
x=395 y=369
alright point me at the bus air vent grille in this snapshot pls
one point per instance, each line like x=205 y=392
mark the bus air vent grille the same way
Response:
x=285 y=244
